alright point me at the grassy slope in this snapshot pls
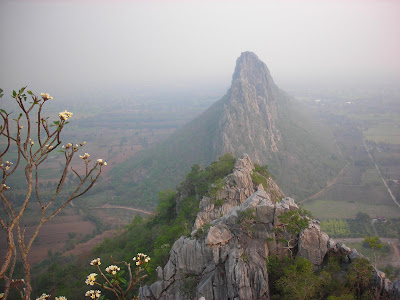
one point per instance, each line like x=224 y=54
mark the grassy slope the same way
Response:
x=140 y=179
x=316 y=158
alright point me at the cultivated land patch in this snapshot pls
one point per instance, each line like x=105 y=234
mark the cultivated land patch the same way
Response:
x=54 y=235
x=325 y=209
x=387 y=132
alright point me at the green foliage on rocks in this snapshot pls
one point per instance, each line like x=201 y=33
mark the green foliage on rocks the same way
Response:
x=260 y=175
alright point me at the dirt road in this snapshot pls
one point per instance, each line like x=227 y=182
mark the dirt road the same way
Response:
x=329 y=184
x=380 y=175
x=108 y=206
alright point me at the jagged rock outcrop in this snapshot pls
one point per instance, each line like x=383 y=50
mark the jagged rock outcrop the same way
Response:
x=313 y=243
x=237 y=188
x=226 y=256
x=233 y=235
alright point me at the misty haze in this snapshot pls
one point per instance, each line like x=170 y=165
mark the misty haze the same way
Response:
x=232 y=149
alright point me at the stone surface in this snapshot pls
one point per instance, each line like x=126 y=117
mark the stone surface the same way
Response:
x=313 y=243
x=218 y=235
x=228 y=260
x=237 y=188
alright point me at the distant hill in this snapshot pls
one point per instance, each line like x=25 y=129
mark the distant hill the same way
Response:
x=254 y=117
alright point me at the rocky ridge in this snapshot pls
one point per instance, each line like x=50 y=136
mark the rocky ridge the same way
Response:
x=225 y=257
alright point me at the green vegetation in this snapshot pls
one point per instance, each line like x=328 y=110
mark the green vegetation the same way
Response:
x=293 y=222
x=217 y=186
x=295 y=279
x=188 y=288
x=360 y=226
x=359 y=277
x=260 y=175
x=390 y=228
x=374 y=243
x=336 y=228
x=246 y=219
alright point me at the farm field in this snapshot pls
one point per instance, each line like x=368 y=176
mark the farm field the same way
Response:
x=360 y=188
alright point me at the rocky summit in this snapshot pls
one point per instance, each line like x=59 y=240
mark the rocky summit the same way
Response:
x=252 y=102
x=233 y=235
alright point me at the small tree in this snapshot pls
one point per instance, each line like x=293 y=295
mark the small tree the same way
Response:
x=292 y=222
x=375 y=244
x=359 y=276
x=298 y=281
x=33 y=137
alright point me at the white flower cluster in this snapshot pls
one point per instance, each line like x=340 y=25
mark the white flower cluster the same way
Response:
x=91 y=279
x=4 y=187
x=43 y=297
x=48 y=147
x=86 y=156
x=1 y=295
x=75 y=148
x=17 y=281
x=95 y=262
x=61 y=298
x=67 y=146
x=7 y=166
x=93 y=294
x=31 y=142
x=113 y=269
x=64 y=115
x=101 y=162
x=141 y=259
x=46 y=96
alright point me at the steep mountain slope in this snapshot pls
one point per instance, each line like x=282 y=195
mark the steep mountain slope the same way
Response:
x=254 y=117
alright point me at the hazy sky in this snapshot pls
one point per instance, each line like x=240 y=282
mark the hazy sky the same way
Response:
x=63 y=45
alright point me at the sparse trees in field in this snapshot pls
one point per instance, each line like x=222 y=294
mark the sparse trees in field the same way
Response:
x=375 y=244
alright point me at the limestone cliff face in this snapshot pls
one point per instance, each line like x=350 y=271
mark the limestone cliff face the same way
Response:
x=225 y=258
x=247 y=122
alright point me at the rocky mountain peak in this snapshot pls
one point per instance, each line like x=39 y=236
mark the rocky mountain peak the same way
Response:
x=251 y=70
x=250 y=112
x=226 y=256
